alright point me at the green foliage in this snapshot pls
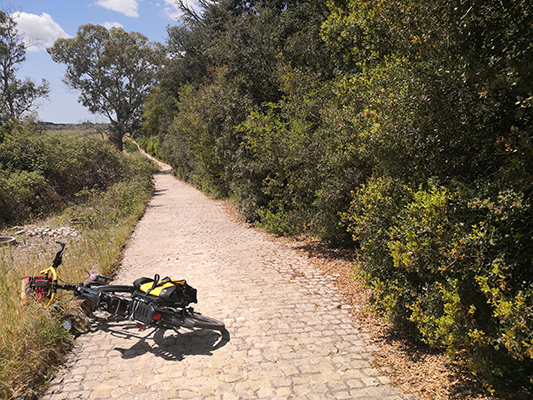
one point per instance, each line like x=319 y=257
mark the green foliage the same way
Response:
x=438 y=99
x=455 y=266
x=158 y=112
x=41 y=172
x=370 y=219
x=22 y=192
x=151 y=145
x=278 y=152
x=130 y=147
x=114 y=71
x=99 y=208
x=202 y=144
x=300 y=162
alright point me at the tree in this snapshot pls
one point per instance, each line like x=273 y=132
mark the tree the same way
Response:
x=114 y=70
x=16 y=96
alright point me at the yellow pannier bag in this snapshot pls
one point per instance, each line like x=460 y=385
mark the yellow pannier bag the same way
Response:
x=170 y=290
x=148 y=287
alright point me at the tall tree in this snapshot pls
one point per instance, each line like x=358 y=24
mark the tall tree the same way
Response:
x=16 y=96
x=114 y=70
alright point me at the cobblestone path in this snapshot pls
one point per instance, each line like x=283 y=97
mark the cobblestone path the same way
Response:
x=290 y=336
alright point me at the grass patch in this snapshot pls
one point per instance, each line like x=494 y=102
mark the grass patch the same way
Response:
x=33 y=342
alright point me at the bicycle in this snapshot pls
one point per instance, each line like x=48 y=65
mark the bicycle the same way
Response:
x=149 y=302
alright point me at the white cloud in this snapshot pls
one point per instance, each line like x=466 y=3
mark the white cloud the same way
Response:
x=126 y=7
x=110 y=25
x=41 y=29
x=173 y=12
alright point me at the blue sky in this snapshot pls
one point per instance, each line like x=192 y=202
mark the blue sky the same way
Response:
x=43 y=21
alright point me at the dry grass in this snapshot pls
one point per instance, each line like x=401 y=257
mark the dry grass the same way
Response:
x=33 y=341
x=27 y=330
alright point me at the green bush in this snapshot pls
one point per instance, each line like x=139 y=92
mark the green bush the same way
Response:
x=454 y=266
x=43 y=172
x=371 y=216
x=24 y=194
x=69 y=164
x=130 y=147
x=300 y=162
x=152 y=146
x=202 y=144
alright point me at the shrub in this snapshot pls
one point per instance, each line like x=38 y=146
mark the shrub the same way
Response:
x=24 y=194
x=370 y=218
x=130 y=147
x=43 y=172
x=300 y=162
x=151 y=145
x=454 y=266
x=202 y=144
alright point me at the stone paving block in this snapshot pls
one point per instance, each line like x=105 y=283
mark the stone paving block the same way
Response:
x=290 y=335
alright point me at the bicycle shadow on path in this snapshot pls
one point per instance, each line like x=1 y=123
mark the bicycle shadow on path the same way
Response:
x=168 y=344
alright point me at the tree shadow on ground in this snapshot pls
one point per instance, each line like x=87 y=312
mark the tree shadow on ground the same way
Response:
x=411 y=365
x=318 y=249
x=159 y=192
x=167 y=171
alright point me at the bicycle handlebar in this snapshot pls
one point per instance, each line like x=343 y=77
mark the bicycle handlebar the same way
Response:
x=53 y=271
x=59 y=255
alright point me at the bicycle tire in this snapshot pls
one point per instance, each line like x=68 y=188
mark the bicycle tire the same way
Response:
x=192 y=320
x=114 y=288
x=203 y=322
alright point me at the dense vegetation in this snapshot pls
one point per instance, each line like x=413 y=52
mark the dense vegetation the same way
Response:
x=67 y=179
x=42 y=172
x=401 y=127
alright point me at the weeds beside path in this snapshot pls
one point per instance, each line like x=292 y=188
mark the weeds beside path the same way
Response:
x=33 y=342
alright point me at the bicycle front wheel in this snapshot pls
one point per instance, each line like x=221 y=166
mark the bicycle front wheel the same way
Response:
x=191 y=320
x=203 y=322
x=114 y=289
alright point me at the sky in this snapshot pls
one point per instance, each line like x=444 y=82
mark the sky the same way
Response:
x=44 y=21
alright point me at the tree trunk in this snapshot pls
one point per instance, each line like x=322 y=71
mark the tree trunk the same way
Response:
x=116 y=134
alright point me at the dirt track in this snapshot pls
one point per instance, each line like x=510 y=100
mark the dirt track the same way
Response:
x=290 y=335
